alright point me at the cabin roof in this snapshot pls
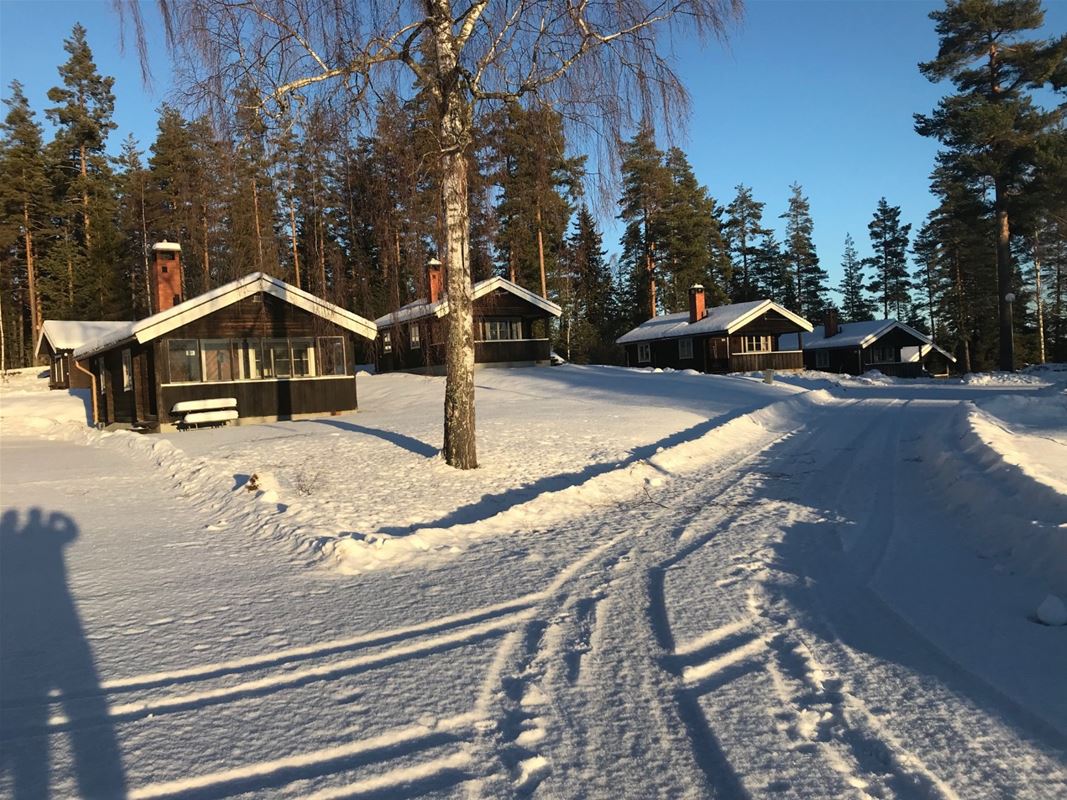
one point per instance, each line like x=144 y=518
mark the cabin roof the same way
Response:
x=719 y=320
x=857 y=334
x=420 y=308
x=69 y=334
x=200 y=306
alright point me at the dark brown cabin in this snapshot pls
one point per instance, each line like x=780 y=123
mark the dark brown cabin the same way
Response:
x=506 y=319
x=741 y=337
x=886 y=345
x=278 y=351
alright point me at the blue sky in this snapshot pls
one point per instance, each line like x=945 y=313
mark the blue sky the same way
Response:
x=816 y=92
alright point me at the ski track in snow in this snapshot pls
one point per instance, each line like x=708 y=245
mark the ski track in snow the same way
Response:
x=729 y=630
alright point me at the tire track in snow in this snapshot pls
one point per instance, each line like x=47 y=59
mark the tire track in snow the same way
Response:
x=525 y=663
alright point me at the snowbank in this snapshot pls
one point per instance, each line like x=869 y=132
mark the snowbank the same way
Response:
x=1028 y=468
x=29 y=408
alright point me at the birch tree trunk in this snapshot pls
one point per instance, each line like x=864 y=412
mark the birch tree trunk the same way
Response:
x=455 y=123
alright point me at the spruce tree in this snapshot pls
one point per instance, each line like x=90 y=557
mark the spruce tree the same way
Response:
x=809 y=291
x=692 y=249
x=744 y=231
x=889 y=240
x=990 y=129
x=854 y=303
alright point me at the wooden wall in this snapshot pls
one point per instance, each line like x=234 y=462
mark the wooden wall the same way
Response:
x=433 y=333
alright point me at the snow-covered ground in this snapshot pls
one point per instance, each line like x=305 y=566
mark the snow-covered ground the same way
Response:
x=655 y=585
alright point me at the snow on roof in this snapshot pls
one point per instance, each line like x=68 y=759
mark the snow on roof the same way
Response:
x=856 y=334
x=720 y=319
x=165 y=321
x=68 y=334
x=420 y=308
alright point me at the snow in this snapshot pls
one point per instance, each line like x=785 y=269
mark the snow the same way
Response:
x=71 y=334
x=656 y=584
x=718 y=319
x=1052 y=611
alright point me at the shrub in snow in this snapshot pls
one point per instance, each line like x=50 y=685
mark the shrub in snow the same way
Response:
x=1052 y=611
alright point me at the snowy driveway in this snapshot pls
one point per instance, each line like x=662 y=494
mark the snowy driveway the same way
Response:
x=792 y=606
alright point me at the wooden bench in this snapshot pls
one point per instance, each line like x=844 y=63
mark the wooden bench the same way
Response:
x=216 y=411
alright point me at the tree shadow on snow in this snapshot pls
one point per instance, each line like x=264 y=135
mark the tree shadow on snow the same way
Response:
x=409 y=443
x=492 y=504
x=45 y=656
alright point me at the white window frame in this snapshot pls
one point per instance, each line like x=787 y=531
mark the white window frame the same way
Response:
x=878 y=355
x=685 y=349
x=101 y=365
x=763 y=344
x=822 y=359
x=387 y=342
x=493 y=328
x=127 y=371
x=644 y=353
x=413 y=336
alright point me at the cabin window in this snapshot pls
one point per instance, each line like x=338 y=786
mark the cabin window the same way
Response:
x=127 y=371
x=387 y=342
x=303 y=358
x=413 y=336
x=251 y=359
x=101 y=367
x=217 y=355
x=644 y=353
x=501 y=330
x=58 y=366
x=183 y=356
x=756 y=344
x=332 y=355
x=685 y=348
x=822 y=359
x=883 y=355
x=277 y=362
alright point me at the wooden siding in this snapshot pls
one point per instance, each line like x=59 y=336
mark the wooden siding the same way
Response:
x=433 y=333
x=262 y=316
x=782 y=360
x=719 y=353
x=279 y=398
x=853 y=360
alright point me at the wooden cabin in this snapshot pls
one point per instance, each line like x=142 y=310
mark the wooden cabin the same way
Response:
x=889 y=346
x=256 y=349
x=506 y=318
x=57 y=342
x=740 y=337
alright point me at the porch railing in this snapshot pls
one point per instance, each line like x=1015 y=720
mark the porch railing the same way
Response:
x=780 y=359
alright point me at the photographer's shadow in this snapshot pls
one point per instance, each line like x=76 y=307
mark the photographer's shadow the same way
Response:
x=45 y=664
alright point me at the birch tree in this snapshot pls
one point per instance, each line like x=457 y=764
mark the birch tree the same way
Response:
x=600 y=63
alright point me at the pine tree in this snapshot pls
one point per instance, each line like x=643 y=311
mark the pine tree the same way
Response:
x=23 y=198
x=744 y=229
x=82 y=116
x=538 y=184
x=990 y=128
x=587 y=328
x=133 y=190
x=646 y=186
x=889 y=239
x=808 y=278
x=770 y=273
x=854 y=303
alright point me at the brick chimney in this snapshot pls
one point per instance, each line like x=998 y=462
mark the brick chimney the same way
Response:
x=434 y=280
x=166 y=277
x=697 y=311
x=830 y=326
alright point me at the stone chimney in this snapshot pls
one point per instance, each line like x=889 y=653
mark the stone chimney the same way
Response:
x=697 y=311
x=434 y=280
x=166 y=277
x=830 y=326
